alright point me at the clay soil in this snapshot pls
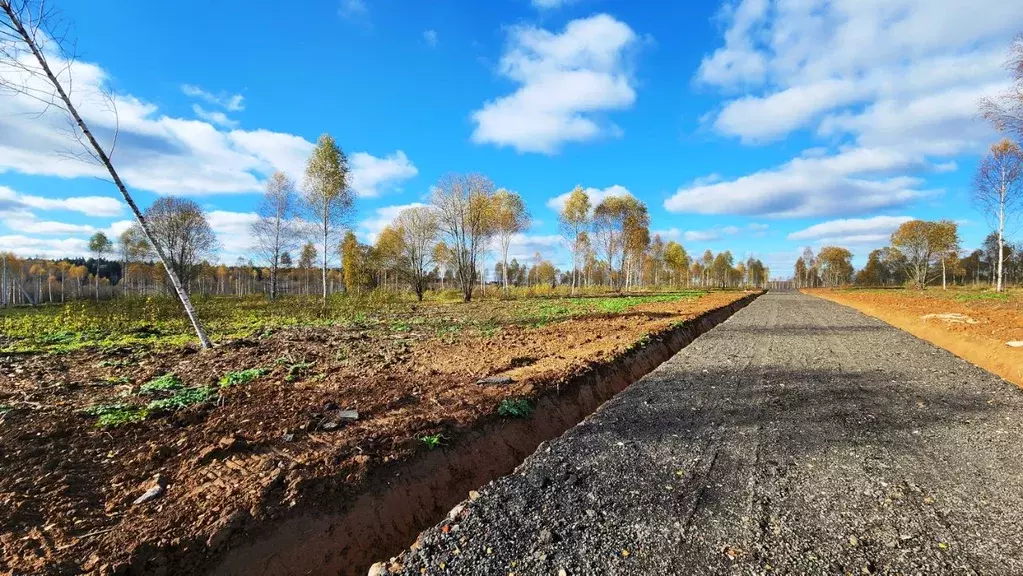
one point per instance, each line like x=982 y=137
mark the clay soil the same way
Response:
x=973 y=325
x=266 y=448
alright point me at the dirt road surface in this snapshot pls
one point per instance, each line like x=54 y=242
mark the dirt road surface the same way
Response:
x=798 y=437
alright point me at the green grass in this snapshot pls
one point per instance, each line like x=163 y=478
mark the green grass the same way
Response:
x=517 y=408
x=972 y=296
x=297 y=370
x=114 y=415
x=184 y=398
x=172 y=395
x=164 y=383
x=242 y=377
x=156 y=322
x=432 y=441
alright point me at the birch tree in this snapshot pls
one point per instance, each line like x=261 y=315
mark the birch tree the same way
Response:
x=509 y=218
x=180 y=230
x=998 y=191
x=28 y=45
x=418 y=229
x=464 y=213
x=327 y=198
x=275 y=230
x=100 y=246
x=573 y=221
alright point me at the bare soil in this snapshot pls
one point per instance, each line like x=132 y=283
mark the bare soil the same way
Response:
x=974 y=328
x=265 y=449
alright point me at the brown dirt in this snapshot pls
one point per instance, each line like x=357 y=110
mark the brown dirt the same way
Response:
x=261 y=454
x=976 y=330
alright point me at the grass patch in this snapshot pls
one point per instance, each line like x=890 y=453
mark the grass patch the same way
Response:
x=242 y=377
x=432 y=441
x=973 y=296
x=156 y=322
x=114 y=415
x=184 y=398
x=515 y=408
x=296 y=371
x=166 y=383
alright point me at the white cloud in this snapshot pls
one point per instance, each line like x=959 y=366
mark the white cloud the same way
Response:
x=566 y=81
x=156 y=152
x=216 y=117
x=88 y=205
x=597 y=195
x=855 y=181
x=30 y=247
x=851 y=231
x=234 y=232
x=711 y=234
x=550 y=4
x=910 y=57
x=230 y=102
x=523 y=247
x=430 y=37
x=896 y=79
x=369 y=229
x=351 y=9
x=29 y=225
x=371 y=175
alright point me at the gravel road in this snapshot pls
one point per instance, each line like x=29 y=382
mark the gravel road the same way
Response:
x=798 y=437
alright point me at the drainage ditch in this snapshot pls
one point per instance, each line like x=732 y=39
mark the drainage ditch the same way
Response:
x=412 y=496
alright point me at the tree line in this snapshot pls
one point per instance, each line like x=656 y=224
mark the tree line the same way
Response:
x=442 y=245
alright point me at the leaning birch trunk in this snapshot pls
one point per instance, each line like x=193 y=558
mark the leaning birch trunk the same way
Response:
x=186 y=303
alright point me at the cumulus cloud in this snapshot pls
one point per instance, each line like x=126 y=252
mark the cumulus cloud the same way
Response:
x=566 y=82
x=89 y=205
x=597 y=195
x=711 y=234
x=524 y=247
x=32 y=247
x=897 y=78
x=160 y=153
x=229 y=102
x=430 y=37
x=852 y=182
x=851 y=231
x=550 y=4
x=351 y=9
x=214 y=116
x=372 y=176
x=234 y=232
x=369 y=228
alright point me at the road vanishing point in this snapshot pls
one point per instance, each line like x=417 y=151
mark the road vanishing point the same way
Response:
x=797 y=437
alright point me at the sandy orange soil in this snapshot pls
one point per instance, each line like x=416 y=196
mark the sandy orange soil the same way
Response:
x=975 y=326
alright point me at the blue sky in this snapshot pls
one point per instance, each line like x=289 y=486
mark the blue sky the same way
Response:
x=757 y=126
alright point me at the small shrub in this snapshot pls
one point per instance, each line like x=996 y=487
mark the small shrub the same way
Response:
x=166 y=383
x=242 y=377
x=114 y=415
x=515 y=408
x=183 y=398
x=432 y=441
x=295 y=371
